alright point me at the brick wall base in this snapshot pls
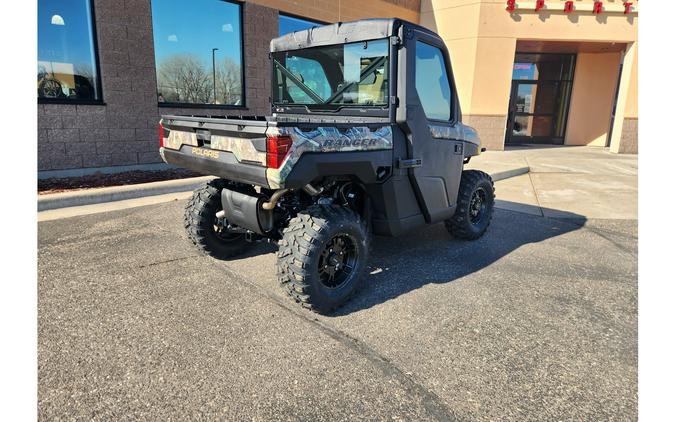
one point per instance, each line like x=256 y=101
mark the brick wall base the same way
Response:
x=491 y=130
x=629 y=137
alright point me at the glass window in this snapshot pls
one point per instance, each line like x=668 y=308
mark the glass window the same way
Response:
x=431 y=81
x=333 y=76
x=290 y=24
x=66 y=56
x=544 y=67
x=198 y=51
x=311 y=74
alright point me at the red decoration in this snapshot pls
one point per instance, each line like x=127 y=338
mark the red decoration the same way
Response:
x=569 y=6
x=511 y=5
x=597 y=7
x=627 y=7
x=539 y=5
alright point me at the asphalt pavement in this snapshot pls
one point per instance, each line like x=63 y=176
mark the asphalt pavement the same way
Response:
x=535 y=321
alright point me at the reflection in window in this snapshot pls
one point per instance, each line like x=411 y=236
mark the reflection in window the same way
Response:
x=309 y=72
x=66 y=59
x=431 y=81
x=290 y=24
x=543 y=67
x=190 y=38
x=333 y=76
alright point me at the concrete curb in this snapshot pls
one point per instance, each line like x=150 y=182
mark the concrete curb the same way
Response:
x=120 y=193
x=506 y=174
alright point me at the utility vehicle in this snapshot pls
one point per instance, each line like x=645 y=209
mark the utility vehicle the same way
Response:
x=365 y=137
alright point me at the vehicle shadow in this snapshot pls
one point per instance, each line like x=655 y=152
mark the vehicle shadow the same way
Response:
x=399 y=265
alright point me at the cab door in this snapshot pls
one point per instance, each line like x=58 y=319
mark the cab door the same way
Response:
x=429 y=116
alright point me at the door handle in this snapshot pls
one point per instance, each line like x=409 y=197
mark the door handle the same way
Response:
x=408 y=164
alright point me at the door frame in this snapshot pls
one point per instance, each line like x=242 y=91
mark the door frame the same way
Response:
x=512 y=113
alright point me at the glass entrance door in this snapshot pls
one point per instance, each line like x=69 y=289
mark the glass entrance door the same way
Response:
x=540 y=94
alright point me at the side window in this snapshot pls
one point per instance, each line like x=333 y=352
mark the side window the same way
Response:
x=66 y=56
x=431 y=81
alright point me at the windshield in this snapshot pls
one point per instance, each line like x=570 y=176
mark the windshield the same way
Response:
x=333 y=76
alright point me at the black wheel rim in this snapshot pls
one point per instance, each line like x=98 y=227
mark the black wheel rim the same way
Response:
x=221 y=231
x=477 y=206
x=337 y=261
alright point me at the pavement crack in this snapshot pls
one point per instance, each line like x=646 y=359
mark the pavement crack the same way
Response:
x=616 y=244
x=431 y=401
x=602 y=233
x=534 y=191
x=167 y=261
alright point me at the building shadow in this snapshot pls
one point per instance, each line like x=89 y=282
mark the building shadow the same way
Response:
x=431 y=256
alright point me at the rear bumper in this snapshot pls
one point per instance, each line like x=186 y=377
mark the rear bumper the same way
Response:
x=217 y=163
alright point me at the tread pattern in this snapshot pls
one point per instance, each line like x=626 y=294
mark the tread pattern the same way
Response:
x=198 y=221
x=459 y=225
x=301 y=242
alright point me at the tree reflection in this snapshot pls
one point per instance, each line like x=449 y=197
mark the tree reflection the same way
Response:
x=184 y=78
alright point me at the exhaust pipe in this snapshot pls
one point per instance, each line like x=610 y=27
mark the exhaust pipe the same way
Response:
x=311 y=190
x=269 y=205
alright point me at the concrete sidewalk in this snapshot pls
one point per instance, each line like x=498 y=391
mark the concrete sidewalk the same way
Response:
x=567 y=182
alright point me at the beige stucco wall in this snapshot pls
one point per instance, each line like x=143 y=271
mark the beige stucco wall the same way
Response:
x=346 y=10
x=481 y=36
x=593 y=94
x=631 y=110
x=625 y=130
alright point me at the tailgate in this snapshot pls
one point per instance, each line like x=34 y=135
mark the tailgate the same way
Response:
x=234 y=149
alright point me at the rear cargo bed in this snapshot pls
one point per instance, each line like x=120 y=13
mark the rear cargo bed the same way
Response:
x=230 y=147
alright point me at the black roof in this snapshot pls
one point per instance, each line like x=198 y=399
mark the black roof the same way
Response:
x=343 y=32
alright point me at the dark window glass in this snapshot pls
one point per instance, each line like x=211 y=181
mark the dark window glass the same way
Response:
x=561 y=114
x=290 y=24
x=431 y=81
x=66 y=56
x=533 y=126
x=190 y=37
x=537 y=98
x=333 y=76
x=543 y=67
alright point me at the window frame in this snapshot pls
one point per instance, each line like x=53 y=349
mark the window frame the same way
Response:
x=291 y=15
x=99 y=84
x=243 y=105
x=339 y=106
x=455 y=111
x=511 y=115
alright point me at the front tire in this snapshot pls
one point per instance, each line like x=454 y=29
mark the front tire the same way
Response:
x=203 y=227
x=322 y=257
x=475 y=202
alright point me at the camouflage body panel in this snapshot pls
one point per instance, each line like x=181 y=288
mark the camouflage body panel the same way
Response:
x=325 y=139
x=242 y=148
x=177 y=138
x=459 y=131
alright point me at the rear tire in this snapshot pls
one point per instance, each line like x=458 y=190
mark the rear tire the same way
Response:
x=322 y=256
x=475 y=202
x=202 y=225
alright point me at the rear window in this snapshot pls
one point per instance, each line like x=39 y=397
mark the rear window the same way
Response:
x=354 y=74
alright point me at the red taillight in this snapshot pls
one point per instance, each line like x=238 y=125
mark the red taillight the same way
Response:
x=161 y=136
x=277 y=149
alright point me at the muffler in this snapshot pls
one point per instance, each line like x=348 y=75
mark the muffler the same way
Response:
x=246 y=211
